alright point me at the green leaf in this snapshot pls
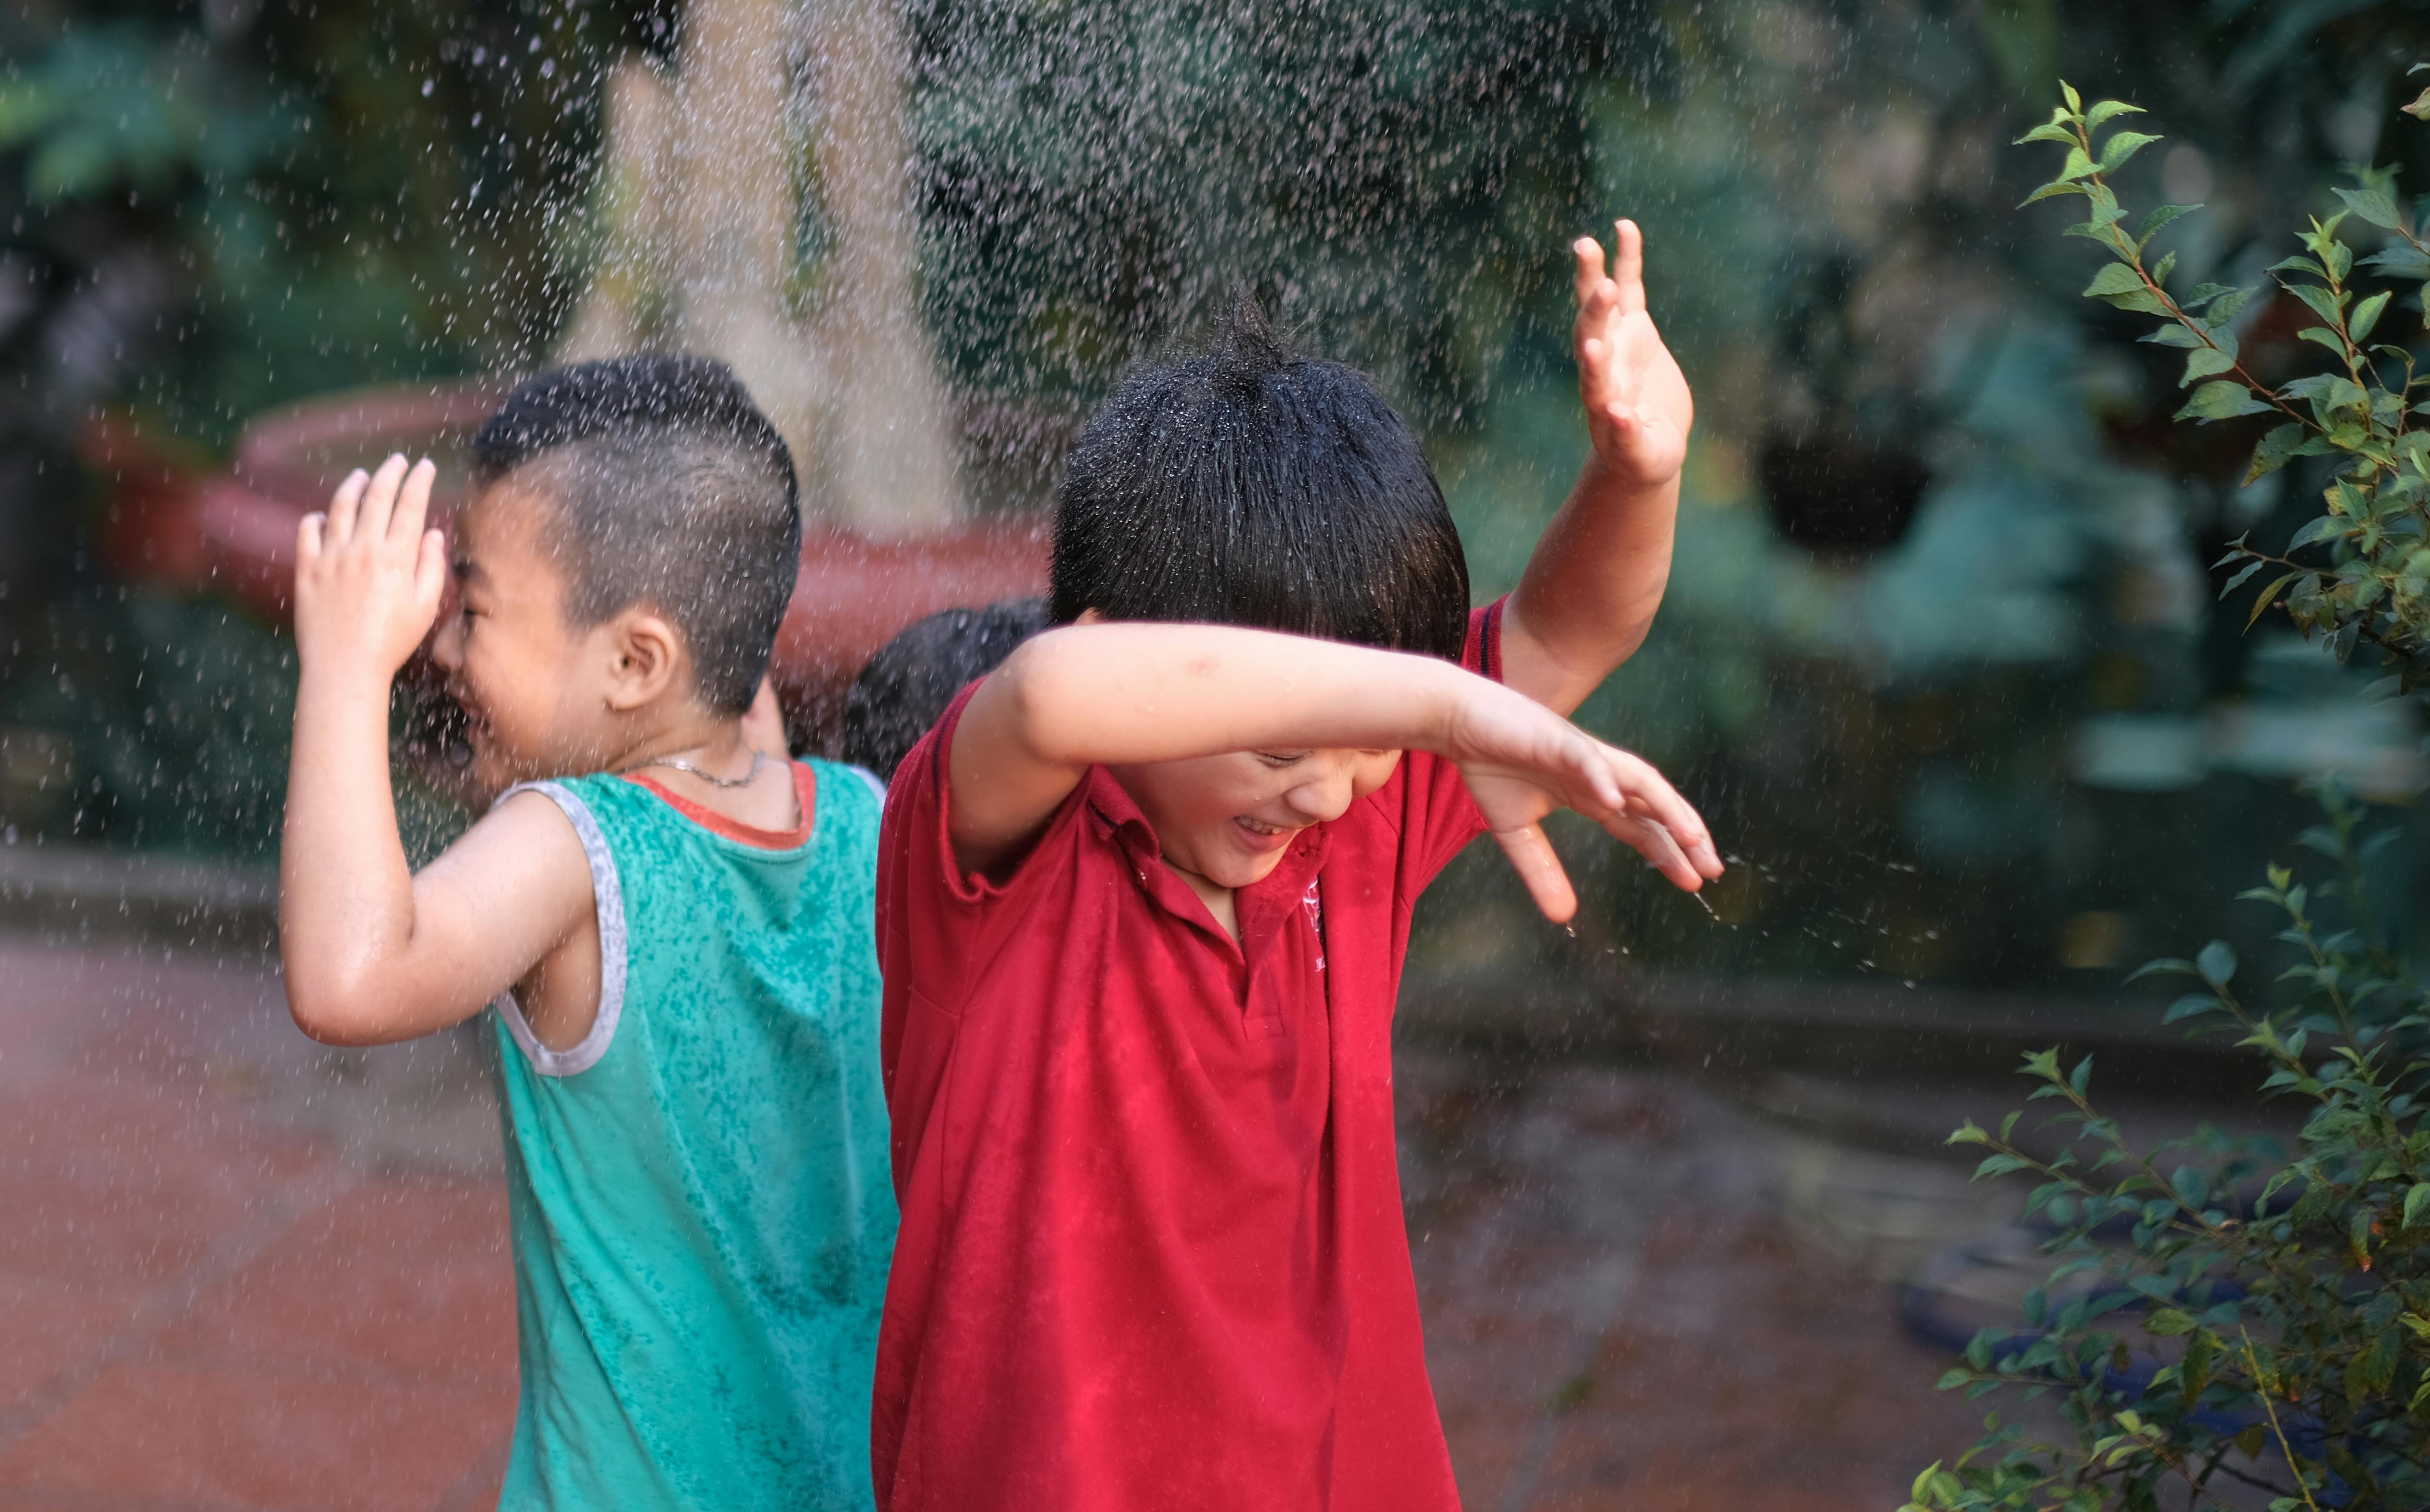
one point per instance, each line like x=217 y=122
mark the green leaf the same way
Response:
x=2124 y=145
x=2179 y=335
x=2056 y=186
x=2244 y=573
x=2168 y=1322
x=2106 y=212
x=2203 y=361
x=2400 y=261
x=2415 y=1202
x=2267 y=594
x=2327 y=304
x=2161 y=217
x=2108 y=108
x=2275 y=450
x=2319 y=528
x=2221 y=400
x=2217 y=963
x=2366 y=315
x=2373 y=204
x=2191 y=1187
x=2077 y=164
x=2057 y=131
x=2187 y=1007
x=2161 y=270
x=2114 y=279
x=2167 y=966
x=2228 y=307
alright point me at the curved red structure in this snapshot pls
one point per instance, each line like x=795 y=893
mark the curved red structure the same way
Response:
x=235 y=531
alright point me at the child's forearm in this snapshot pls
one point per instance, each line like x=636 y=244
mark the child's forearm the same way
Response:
x=1592 y=588
x=1133 y=693
x=345 y=905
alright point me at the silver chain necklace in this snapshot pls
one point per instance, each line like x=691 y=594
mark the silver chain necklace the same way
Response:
x=759 y=760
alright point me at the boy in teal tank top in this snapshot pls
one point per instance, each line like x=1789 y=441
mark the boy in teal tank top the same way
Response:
x=679 y=945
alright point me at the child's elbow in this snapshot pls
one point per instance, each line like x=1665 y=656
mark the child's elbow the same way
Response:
x=1039 y=693
x=333 y=1013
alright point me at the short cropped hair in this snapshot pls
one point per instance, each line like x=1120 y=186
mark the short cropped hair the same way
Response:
x=1253 y=486
x=905 y=688
x=671 y=489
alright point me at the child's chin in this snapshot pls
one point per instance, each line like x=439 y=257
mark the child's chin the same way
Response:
x=1248 y=869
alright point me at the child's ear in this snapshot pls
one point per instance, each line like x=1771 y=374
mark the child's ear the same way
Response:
x=645 y=659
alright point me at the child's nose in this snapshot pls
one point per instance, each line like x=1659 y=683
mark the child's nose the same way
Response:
x=1322 y=799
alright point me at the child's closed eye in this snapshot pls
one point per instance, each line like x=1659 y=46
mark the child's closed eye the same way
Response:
x=1282 y=758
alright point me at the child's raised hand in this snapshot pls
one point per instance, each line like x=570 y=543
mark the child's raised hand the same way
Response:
x=1521 y=761
x=369 y=573
x=1639 y=411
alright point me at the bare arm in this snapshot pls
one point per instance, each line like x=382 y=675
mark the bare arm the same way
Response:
x=373 y=953
x=1131 y=692
x=1591 y=588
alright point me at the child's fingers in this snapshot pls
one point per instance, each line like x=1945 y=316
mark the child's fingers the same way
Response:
x=1588 y=253
x=430 y=573
x=1651 y=796
x=378 y=502
x=308 y=539
x=1628 y=266
x=1658 y=846
x=413 y=505
x=339 y=520
x=1531 y=855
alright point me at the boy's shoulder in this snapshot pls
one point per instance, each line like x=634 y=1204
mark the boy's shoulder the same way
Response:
x=841 y=806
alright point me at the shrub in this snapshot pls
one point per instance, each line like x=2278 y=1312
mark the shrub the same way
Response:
x=2266 y=1320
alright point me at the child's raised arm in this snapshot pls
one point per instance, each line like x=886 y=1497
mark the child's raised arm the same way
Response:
x=373 y=953
x=1591 y=589
x=1133 y=693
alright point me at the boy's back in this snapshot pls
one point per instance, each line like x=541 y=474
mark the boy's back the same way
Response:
x=702 y=1214
x=679 y=945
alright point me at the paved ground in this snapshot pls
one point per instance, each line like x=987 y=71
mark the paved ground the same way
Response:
x=239 y=1272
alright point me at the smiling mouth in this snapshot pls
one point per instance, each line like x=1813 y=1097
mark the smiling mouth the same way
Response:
x=1262 y=835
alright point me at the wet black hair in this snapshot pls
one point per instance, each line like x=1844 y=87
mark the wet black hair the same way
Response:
x=905 y=688
x=671 y=489
x=1254 y=486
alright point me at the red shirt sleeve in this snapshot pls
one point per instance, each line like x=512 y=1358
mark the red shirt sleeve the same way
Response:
x=933 y=923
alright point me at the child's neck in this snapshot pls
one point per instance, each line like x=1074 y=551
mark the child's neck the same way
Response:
x=1218 y=898
x=709 y=763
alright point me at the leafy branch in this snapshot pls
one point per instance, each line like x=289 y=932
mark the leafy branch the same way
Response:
x=2375 y=524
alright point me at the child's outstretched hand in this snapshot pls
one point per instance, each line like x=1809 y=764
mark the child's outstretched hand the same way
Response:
x=368 y=572
x=1521 y=762
x=1639 y=411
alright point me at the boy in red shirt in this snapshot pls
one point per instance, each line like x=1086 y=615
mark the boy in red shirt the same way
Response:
x=1144 y=899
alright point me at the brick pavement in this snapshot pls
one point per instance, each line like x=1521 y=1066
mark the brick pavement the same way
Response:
x=241 y=1273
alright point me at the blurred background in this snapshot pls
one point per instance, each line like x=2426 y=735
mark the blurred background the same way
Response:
x=1942 y=658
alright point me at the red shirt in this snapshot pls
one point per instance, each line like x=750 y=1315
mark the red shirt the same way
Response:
x=1152 y=1252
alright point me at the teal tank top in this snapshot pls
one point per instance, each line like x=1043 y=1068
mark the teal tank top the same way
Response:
x=702 y=1207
